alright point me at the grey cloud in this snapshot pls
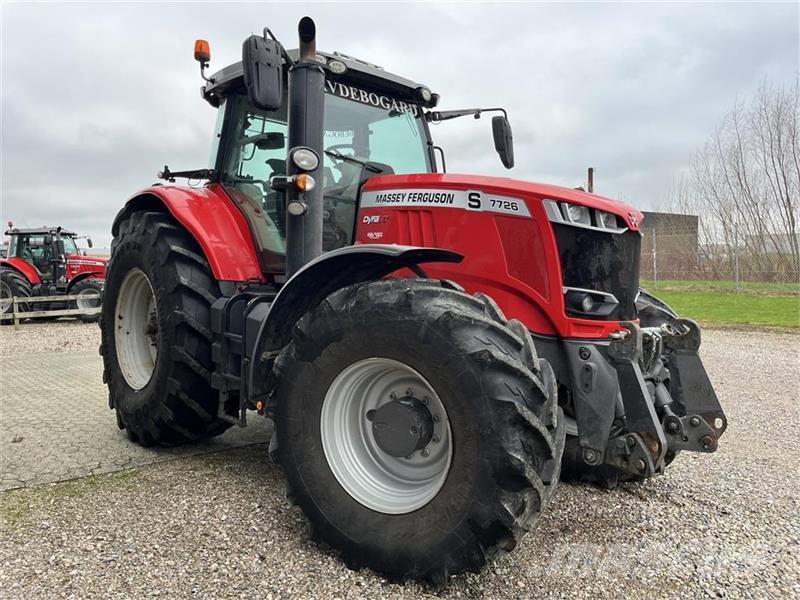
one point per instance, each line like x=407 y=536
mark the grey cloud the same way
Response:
x=97 y=97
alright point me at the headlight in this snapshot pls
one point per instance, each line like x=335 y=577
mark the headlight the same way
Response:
x=579 y=214
x=305 y=159
x=606 y=220
x=580 y=301
x=297 y=208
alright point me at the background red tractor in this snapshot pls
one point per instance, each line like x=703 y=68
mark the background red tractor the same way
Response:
x=431 y=347
x=46 y=261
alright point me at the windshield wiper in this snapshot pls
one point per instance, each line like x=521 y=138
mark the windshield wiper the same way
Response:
x=367 y=165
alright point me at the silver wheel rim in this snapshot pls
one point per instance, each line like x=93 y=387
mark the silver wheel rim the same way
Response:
x=5 y=297
x=136 y=333
x=89 y=298
x=381 y=482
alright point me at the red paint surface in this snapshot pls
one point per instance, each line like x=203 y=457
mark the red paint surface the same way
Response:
x=218 y=226
x=513 y=259
x=24 y=267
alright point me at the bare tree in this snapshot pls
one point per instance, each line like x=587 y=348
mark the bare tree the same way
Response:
x=745 y=185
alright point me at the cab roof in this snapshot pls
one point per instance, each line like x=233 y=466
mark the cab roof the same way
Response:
x=38 y=231
x=359 y=72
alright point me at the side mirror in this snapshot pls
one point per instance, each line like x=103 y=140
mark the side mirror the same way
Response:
x=89 y=242
x=273 y=140
x=503 y=140
x=48 y=239
x=263 y=76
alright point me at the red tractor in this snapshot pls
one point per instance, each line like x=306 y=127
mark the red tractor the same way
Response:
x=434 y=349
x=46 y=261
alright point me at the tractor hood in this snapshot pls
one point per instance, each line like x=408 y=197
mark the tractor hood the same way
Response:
x=420 y=190
x=88 y=261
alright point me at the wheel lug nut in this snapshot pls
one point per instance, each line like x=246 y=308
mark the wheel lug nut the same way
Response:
x=426 y=400
x=435 y=418
x=410 y=392
x=393 y=395
x=425 y=452
x=435 y=439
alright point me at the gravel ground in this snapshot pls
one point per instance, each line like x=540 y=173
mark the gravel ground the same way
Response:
x=55 y=336
x=218 y=526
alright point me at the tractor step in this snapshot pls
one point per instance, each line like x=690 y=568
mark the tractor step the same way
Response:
x=235 y=322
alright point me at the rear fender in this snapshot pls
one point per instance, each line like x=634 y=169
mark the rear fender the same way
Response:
x=212 y=219
x=317 y=280
x=24 y=268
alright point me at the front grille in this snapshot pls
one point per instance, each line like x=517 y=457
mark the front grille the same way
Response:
x=601 y=261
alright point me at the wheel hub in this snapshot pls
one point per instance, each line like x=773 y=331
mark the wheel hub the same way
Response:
x=390 y=451
x=402 y=426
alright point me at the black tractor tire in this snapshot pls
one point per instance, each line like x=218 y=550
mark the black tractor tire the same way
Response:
x=177 y=404
x=84 y=285
x=18 y=286
x=652 y=312
x=505 y=423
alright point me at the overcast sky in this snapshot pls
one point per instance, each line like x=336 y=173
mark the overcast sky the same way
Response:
x=97 y=97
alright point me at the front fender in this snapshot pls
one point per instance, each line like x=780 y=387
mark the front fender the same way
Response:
x=99 y=275
x=212 y=219
x=320 y=278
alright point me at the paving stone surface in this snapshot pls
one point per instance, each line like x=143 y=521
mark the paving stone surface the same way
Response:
x=55 y=423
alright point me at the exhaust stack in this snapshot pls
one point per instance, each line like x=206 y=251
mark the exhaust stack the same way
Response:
x=305 y=129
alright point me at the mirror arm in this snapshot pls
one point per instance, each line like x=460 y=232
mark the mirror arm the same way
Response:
x=446 y=115
x=286 y=58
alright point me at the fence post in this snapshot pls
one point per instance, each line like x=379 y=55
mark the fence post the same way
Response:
x=736 y=255
x=655 y=261
x=16 y=312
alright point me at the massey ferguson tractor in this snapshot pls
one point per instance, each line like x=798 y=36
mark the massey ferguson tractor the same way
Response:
x=46 y=261
x=433 y=349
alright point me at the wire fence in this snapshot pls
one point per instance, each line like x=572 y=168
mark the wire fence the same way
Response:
x=677 y=256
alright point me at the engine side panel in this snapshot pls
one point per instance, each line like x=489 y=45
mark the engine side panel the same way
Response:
x=79 y=266
x=500 y=227
x=213 y=220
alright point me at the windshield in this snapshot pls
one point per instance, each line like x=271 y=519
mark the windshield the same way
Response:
x=69 y=246
x=256 y=145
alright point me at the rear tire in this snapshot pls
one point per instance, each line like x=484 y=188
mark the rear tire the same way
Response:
x=92 y=289
x=12 y=284
x=156 y=333
x=470 y=362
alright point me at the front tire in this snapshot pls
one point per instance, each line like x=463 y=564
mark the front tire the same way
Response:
x=486 y=479
x=156 y=333
x=90 y=291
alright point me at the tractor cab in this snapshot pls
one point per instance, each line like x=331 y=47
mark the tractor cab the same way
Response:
x=373 y=124
x=40 y=249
